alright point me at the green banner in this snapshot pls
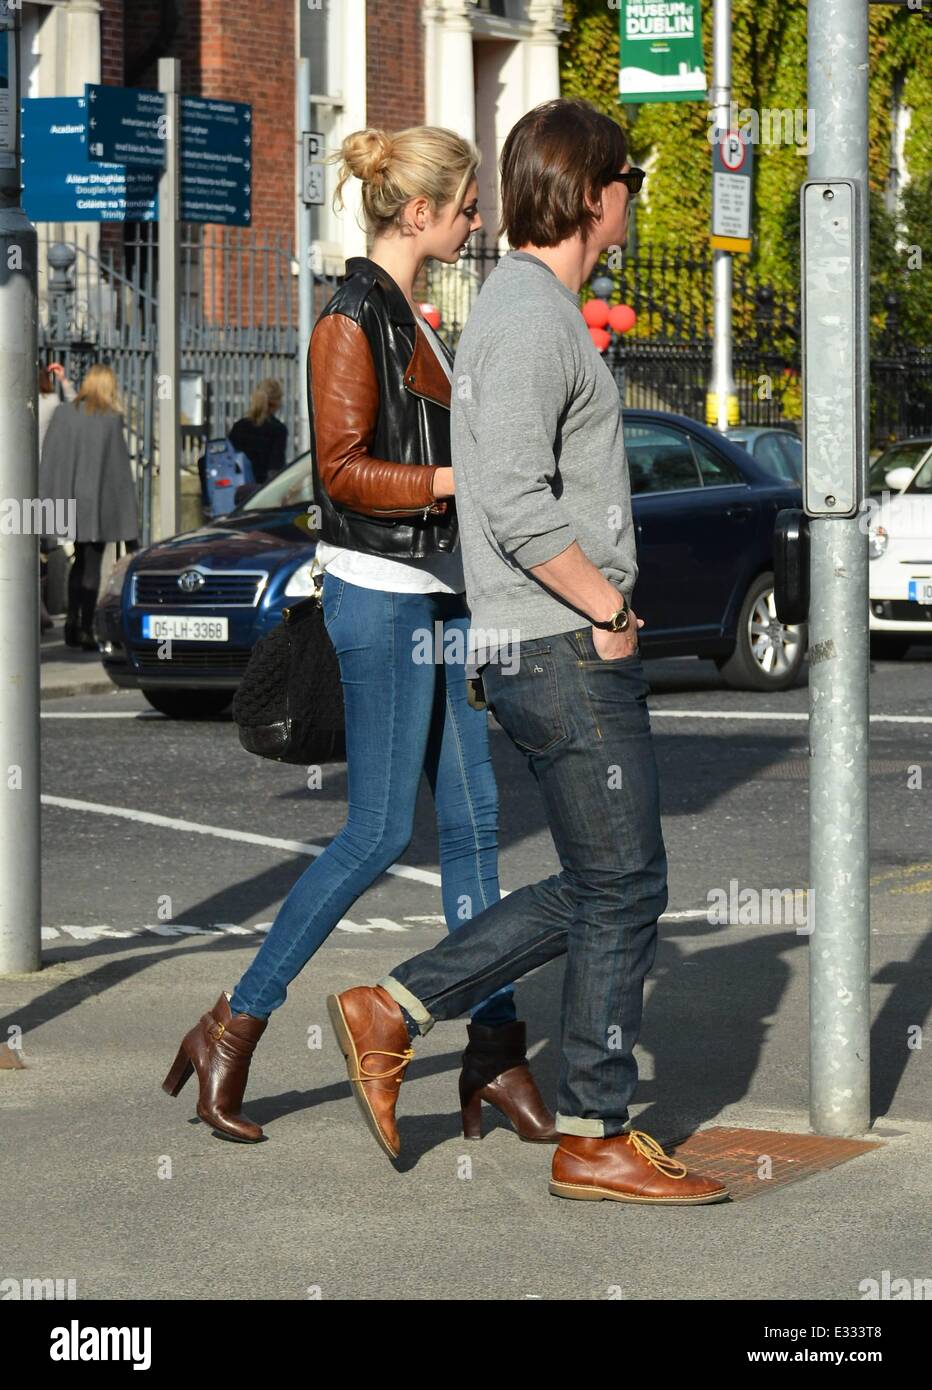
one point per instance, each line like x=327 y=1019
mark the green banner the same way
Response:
x=661 y=51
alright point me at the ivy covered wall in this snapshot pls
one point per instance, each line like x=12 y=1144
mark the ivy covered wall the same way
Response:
x=769 y=71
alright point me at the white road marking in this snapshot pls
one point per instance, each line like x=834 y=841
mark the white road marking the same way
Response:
x=659 y=713
x=106 y=714
x=773 y=714
x=248 y=837
x=105 y=932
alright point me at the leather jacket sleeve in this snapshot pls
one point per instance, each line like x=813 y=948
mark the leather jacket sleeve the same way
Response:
x=344 y=392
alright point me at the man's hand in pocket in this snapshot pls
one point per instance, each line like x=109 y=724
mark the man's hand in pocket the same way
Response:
x=613 y=645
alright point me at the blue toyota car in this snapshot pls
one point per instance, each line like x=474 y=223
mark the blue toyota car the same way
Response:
x=179 y=618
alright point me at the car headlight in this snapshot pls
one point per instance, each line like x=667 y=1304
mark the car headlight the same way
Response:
x=303 y=582
x=877 y=542
x=118 y=576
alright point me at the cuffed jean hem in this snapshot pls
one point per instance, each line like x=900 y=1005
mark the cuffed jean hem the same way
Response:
x=588 y=1129
x=409 y=1001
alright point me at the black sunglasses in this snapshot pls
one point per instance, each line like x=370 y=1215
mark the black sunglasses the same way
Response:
x=632 y=179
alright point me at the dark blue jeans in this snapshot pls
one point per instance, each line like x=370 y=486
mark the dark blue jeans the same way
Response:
x=406 y=715
x=584 y=725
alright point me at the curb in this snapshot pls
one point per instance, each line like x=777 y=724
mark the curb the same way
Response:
x=56 y=692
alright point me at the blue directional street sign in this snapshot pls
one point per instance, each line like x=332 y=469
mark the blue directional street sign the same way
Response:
x=61 y=185
x=125 y=125
x=97 y=158
x=216 y=161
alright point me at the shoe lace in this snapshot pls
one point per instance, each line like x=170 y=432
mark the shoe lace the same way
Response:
x=649 y=1148
x=382 y=1075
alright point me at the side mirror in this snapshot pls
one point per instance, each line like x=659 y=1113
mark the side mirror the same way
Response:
x=791 y=566
x=898 y=478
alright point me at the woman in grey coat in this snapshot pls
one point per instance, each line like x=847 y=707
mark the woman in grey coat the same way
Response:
x=85 y=459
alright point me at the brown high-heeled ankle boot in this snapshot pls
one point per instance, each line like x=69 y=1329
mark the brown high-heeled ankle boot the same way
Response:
x=220 y=1047
x=495 y=1070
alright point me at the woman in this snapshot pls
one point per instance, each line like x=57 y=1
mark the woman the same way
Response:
x=379 y=397
x=259 y=435
x=52 y=379
x=85 y=458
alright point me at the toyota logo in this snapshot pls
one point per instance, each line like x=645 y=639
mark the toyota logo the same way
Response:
x=190 y=581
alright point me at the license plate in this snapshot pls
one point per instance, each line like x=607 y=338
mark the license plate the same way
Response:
x=920 y=590
x=182 y=627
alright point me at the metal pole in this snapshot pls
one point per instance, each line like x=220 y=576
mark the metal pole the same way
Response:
x=839 y=954
x=169 y=372
x=722 y=400
x=20 y=882
x=305 y=276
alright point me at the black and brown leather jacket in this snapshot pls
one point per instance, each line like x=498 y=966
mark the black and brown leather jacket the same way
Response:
x=379 y=405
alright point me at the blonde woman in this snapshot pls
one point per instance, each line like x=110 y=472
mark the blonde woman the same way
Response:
x=260 y=435
x=85 y=458
x=379 y=384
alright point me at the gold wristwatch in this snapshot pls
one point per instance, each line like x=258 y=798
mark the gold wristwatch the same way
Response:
x=619 y=620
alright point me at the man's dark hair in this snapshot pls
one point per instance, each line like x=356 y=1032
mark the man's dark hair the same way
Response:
x=553 y=158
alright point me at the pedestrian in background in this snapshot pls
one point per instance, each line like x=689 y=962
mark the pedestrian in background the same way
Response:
x=85 y=458
x=260 y=435
x=54 y=387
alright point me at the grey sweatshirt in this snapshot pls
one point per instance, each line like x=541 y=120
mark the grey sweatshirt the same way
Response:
x=538 y=454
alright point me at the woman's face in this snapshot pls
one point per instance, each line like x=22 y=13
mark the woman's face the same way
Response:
x=446 y=235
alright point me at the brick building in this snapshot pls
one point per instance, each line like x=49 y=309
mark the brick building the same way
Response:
x=474 y=65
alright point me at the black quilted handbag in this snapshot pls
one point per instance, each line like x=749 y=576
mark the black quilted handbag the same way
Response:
x=289 y=704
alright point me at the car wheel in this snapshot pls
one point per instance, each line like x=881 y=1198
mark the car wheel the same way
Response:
x=889 y=648
x=189 y=704
x=767 y=654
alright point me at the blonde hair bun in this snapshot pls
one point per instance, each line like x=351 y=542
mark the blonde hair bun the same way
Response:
x=368 y=154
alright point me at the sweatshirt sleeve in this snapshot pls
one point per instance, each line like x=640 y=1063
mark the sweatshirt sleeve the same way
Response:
x=513 y=403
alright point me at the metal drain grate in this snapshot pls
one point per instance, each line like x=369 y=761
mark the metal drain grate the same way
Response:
x=750 y=1162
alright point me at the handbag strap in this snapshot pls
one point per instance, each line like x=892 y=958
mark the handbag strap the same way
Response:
x=317 y=572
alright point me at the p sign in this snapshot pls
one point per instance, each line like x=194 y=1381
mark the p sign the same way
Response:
x=312 y=190
x=731 y=192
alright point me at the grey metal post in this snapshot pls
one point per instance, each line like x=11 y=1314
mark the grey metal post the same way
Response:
x=839 y=944
x=305 y=274
x=168 y=377
x=20 y=883
x=722 y=393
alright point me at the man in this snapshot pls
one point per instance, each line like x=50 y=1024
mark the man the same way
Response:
x=548 y=545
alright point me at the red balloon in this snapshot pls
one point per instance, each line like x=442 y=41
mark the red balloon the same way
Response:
x=600 y=338
x=622 y=318
x=432 y=314
x=595 y=312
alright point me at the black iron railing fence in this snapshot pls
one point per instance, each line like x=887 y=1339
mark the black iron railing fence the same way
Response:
x=665 y=361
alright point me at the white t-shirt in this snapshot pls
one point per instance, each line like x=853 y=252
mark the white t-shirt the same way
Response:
x=441 y=572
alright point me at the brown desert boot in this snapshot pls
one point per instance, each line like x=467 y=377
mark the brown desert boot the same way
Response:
x=374 y=1040
x=628 y=1167
x=219 y=1048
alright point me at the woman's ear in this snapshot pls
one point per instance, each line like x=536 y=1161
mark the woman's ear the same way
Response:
x=419 y=211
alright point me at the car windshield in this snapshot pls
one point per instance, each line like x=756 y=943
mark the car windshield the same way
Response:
x=292 y=487
x=906 y=455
